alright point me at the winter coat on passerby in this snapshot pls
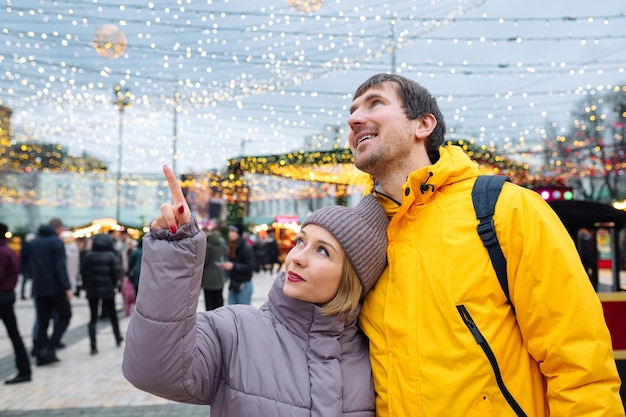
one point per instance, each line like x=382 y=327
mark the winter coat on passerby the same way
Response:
x=299 y=355
x=212 y=275
x=260 y=253
x=48 y=263
x=134 y=265
x=240 y=254
x=9 y=265
x=9 y=272
x=101 y=270
x=52 y=290
x=240 y=265
x=273 y=253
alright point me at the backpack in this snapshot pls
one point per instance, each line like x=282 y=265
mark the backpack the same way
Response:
x=484 y=196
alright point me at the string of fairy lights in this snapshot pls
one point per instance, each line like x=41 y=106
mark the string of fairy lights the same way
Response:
x=254 y=78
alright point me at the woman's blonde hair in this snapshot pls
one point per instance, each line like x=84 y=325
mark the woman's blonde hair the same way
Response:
x=349 y=293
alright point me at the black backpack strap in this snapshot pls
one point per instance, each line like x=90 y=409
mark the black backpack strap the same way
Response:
x=484 y=195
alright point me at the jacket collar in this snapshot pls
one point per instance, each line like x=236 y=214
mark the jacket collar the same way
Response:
x=423 y=185
x=324 y=338
x=302 y=318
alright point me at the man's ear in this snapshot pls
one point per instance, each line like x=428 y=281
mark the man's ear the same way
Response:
x=425 y=126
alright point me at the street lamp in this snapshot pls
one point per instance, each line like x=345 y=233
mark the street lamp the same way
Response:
x=243 y=145
x=122 y=100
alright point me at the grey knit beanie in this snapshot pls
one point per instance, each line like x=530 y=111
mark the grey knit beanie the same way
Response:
x=362 y=233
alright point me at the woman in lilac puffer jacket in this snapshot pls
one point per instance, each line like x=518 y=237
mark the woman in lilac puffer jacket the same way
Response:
x=300 y=354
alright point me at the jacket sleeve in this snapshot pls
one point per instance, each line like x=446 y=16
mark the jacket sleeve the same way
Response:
x=167 y=353
x=558 y=311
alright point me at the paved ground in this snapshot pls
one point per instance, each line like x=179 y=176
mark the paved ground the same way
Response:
x=85 y=385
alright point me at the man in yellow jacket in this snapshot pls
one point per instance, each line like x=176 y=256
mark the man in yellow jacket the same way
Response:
x=444 y=341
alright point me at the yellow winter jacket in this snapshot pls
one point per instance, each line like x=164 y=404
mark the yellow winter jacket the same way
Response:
x=439 y=297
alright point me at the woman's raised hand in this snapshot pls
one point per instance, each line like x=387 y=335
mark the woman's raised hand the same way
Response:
x=173 y=216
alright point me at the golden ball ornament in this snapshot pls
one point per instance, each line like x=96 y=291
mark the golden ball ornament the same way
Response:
x=109 y=41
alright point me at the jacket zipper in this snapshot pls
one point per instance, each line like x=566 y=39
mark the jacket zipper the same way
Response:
x=469 y=322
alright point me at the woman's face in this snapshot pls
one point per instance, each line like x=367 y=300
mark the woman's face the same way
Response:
x=233 y=236
x=314 y=266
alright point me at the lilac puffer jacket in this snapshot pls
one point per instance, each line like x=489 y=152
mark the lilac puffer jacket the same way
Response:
x=284 y=359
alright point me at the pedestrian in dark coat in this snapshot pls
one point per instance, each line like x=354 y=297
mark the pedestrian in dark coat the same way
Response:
x=134 y=265
x=101 y=271
x=273 y=252
x=9 y=271
x=52 y=290
x=212 y=276
x=260 y=253
x=240 y=265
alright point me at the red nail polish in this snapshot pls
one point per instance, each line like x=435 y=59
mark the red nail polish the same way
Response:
x=173 y=229
x=181 y=209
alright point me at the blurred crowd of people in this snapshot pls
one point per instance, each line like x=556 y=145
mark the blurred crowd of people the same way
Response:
x=53 y=266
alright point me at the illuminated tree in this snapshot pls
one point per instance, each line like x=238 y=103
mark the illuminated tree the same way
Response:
x=27 y=157
x=336 y=166
x=492 y=161
x=591 y=156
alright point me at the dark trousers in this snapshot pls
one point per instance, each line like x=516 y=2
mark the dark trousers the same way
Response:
x=213 y=299
x=108 y=308
x=7 y=313
x=45 y=306
x=25 y=278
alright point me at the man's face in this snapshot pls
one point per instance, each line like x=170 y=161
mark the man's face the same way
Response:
x=380 y=132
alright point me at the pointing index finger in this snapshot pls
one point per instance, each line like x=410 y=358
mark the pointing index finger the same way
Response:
x=177 y=192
